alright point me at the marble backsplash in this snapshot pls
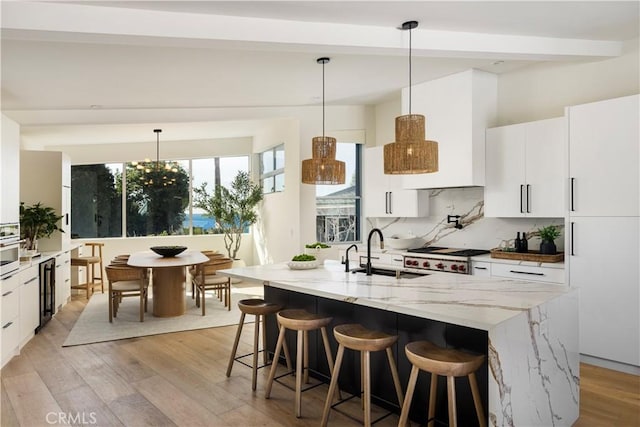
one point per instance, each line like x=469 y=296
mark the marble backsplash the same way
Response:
x=477 y=232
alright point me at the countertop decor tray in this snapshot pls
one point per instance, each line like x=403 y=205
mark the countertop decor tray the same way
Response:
x=534 y=256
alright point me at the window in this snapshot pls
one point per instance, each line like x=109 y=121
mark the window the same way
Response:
x=338 y=206
x=272 y=170
x=96 y=197
x=156 y=197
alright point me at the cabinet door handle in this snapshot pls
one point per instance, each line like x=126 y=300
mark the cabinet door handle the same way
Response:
x=7 y=293
x=480 y=268
x=528 y=198
x=521 y=206
x=526 y=272
x=66 y=219
x=571 y=231
x=7 y=325
x=386 y=202
x=572 y=208
x=390 y=202
x=31 y=280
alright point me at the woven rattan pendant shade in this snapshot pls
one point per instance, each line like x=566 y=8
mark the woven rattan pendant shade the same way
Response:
x=411 y=153
x=323 y=168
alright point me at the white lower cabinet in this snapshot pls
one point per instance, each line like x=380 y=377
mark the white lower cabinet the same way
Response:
x=603 y=265
x=527 y=272
x=63 y=279
x=10 y=317
x=29 y=302
x=481 y=268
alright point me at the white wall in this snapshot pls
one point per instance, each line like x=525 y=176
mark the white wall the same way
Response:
x=542 y=91
x=385 y=120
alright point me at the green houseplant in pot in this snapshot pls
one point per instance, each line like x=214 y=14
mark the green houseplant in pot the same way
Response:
x=548 y=235
x=233 y=208
x=37 y=221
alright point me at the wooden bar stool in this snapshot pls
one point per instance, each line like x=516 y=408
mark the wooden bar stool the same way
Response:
x=357 y=337
x=259 y=308
x=449 y=363
x=301 y=321
x=89 y=262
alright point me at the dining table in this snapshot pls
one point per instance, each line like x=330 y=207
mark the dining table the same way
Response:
x=168 y=276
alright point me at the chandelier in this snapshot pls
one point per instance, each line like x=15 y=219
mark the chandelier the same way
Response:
x=410 y=153
x=156 y=173
x=322 y=167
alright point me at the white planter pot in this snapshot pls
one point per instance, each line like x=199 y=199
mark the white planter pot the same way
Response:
x=320 y=253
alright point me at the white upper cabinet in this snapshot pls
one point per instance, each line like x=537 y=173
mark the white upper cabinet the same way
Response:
x=9 y=165
x=457 y=109
x=383 y=196
x=603 y=158
x=526 y=169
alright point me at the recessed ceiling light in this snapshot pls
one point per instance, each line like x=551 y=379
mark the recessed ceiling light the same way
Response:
x=95 y=106
x=498 y=62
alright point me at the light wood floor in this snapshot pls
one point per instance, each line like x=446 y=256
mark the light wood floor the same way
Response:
x=179 y=379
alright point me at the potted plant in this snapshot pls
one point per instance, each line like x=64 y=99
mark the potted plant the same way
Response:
x=548 y=235
x=320 y=250
x=233 y=209
x=35 y=222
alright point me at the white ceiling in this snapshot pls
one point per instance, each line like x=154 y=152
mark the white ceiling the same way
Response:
x=67 y=66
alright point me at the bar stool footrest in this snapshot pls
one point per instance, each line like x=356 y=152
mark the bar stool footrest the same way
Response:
x=292 y=373
x=359 y=420
x=238 y=359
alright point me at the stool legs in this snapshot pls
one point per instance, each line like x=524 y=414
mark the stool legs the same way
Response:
x=272 y=371
x=365 y=381
x=432 y=399
x=411 y=386
x=235 y=344
x=477 y=401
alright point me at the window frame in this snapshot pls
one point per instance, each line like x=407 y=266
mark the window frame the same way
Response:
x=263 y=176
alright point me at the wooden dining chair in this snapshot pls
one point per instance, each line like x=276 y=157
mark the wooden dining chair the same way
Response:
x=206 y=279
x=211 y=254
x=126 y=281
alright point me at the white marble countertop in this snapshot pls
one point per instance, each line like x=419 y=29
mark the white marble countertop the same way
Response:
x=476 y=302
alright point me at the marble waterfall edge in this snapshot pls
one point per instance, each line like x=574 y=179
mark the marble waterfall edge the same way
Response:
x=540 y=383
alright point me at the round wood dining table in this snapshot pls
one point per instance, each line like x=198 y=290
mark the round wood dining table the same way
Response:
x=168 y=275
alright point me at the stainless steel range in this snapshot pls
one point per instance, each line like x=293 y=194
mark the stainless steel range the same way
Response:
x=450 y=260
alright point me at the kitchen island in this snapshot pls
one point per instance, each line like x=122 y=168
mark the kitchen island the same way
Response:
x=527 y=330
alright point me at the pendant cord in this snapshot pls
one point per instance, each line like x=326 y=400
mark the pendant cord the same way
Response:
x=409 y=71
x=157 y=149
x=323 y=100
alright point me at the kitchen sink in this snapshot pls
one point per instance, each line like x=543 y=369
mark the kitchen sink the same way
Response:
x=387 y=272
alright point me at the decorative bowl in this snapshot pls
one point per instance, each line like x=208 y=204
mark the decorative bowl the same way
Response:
x=401 y=241
x=302 y=265
x=168 y=251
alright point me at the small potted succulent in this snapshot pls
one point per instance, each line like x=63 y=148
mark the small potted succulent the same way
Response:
x=548 y=235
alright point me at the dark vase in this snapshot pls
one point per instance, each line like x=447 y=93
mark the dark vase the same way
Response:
x=548 y=248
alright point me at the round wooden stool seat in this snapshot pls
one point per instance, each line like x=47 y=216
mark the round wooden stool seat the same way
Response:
x=446 y=362
x=84 y=261
x=257 y=306
x=357 y=337
x=302 y=320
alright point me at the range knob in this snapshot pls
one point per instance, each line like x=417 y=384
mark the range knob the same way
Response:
x=408 y=263
x=440 y=266
x=425 y=264
x=462 y=268
x=415 y=263
x=454 y=267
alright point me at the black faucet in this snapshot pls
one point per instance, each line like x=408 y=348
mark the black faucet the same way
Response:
x=346 y=257
x=371 y=233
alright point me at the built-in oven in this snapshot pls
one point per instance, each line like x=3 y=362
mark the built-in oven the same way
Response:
x=9 y=248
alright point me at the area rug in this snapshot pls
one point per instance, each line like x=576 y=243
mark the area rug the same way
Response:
x=93 y=324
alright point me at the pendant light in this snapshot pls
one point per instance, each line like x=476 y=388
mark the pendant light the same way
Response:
x=163 y=177
x=322 y=167
x=410 y=153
